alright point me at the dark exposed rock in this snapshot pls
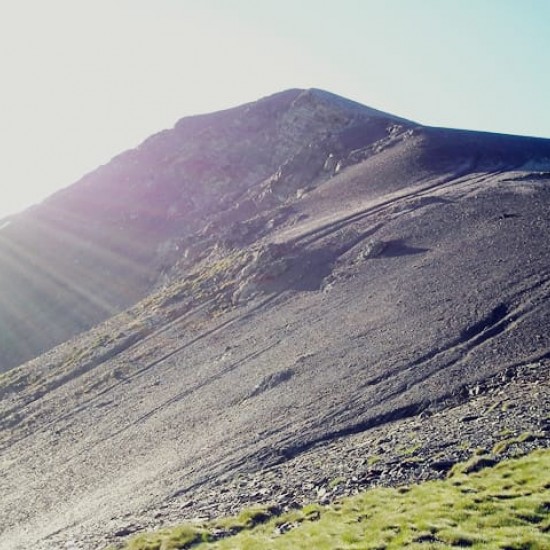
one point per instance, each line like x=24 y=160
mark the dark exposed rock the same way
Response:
x=442 y=465
x=127 y=530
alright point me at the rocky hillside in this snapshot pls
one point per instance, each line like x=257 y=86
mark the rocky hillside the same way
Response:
x=99 y=246
x=268 y=288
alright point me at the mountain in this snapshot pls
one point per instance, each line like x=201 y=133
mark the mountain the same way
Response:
x=258 y=291
x=99 y=246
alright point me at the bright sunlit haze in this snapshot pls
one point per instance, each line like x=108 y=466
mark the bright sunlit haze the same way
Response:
x=83 y=81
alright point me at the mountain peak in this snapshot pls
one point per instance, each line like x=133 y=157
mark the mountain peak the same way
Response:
x=296 y=97
x=340 y=102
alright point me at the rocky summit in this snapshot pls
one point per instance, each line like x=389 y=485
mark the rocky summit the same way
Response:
x=261 y=301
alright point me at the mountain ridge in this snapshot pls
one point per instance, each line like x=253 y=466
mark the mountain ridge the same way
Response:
x=119 y=213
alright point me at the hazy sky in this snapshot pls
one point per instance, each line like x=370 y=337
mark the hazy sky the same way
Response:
x=83 y=80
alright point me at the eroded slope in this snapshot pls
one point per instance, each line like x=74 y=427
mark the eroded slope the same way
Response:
x=395 y=284
x=99 y=246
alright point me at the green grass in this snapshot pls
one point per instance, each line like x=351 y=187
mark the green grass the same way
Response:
x=505 y=507
x=172 y=539
x=503 y=446
x=409 y=451
x=374 y=459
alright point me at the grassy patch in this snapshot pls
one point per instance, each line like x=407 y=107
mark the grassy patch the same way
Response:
x=374 y=459
x=502 y=446
x=335 y=482
x=409 y=451
x=502 y=507
x=475 y=464
x=171 y=539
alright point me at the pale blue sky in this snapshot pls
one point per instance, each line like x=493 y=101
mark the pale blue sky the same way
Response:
x=83 y=80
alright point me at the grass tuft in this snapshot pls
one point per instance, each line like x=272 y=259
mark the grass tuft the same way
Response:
x=502 y=446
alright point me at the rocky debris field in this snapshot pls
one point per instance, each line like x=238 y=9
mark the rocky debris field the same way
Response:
x=502 y=419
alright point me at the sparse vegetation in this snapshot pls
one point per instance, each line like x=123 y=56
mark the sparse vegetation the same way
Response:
x=410 y=450
x=503 y=507
x=335 y=482
x=502 y=446
x=373 y=459
x=478 y=462
x=173 y=539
